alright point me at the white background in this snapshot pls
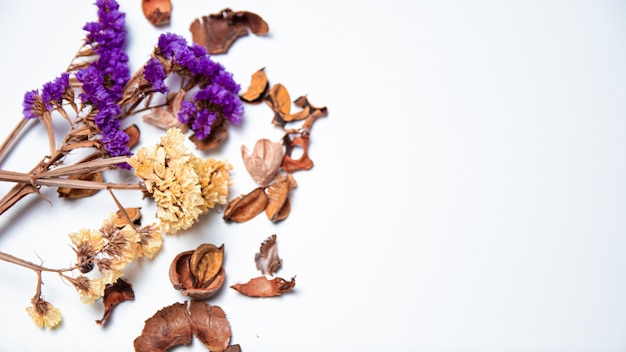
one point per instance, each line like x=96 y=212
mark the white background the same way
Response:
x=467 y=195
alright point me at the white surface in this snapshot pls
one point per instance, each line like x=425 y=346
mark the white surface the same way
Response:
x=468 y=192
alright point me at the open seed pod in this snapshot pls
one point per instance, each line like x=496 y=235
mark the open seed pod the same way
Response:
x=199 y=273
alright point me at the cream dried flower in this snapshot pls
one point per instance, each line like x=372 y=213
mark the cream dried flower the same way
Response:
x=214 y=181
x=151 y=240
x=170 y=176
x=87 y=237
x=43 y=313
x=88 y=290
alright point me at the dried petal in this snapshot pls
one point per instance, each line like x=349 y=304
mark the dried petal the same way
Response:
x=77 y=193
x=264 y=161
x=278 y=99
x=158 y=12
x=115 y=294
x=217 y=32
x=133 y=133
x=304 y=162
x=262 y=287
x=267 y=260
x=134 y=215
x=169 y=327
x=209 y=325
x=246 y=207
x=206 y=262
x=259 y=86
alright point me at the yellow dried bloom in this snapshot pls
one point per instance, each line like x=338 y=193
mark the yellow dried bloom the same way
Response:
x=110 y=276
x=214 y=181
x=172 y=180
x=89 y=290
x=43 y=313
x=151 y=240
x=91 y=238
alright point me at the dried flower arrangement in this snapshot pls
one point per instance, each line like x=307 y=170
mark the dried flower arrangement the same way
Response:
x=92 y=98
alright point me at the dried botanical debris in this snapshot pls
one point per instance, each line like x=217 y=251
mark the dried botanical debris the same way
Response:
x=175 y=325
x=273 y=199
x=133 y=135
x=167 y=328
x=259 y=86
x=217 y=32
x=115 y=294
x=264 y=287
x=264 y=162
x=166 y=117
x=78 y=193
x=267 y=260
x=199 y=273
x=157 y=12
x=300 y=140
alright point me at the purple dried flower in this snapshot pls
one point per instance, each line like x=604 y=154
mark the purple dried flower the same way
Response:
x=155 y=74
x=33 y=106
x=52 y=92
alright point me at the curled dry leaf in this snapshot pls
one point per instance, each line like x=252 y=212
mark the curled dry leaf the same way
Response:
x=259 y=85
x=278 y=205
x=262 y=287
x=166 y=117
x=158 y=12
x=304 y=162
x=199 y=273
x=267 y=260
x=167 y=328
x=209 y=325
x=314 y=112
x=132 y=214
x=246 y=207
x=217 y=32
x=264 y=162
x=115 y=294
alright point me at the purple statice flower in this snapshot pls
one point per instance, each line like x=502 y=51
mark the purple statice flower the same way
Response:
x=155 y=74
x=104 y=79
x=52 y=92
x=32 y=105
x=218 y=95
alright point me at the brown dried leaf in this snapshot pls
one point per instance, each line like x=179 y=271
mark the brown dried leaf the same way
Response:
x=315 y=113
x=262 y=287
x=169 y=327
x=115 y=294
x=278 y=99
x=133 y=133
x=217 y=32
x=246 y=207
x=258 y=88
x=206 y=262
x=77 y=193
x=267 y=260
x=304 y=162
x=158 y=12
x=264 y=162
x=209 y=325
x=233 y=348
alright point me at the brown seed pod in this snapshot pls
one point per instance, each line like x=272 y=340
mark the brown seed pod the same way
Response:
x=133 y=133
x=246 y=207
x=304 y=162
x=167 y=328
x=209 y=325
x=262 y=287
x=278 y=206
x=264 y=161
x=267 y=260
x=199 y=273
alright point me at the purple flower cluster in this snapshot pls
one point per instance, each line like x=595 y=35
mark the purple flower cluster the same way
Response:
x=218 y=94
x=52 y=94
x=104 y=79
x=33 y=106
x=155 y=74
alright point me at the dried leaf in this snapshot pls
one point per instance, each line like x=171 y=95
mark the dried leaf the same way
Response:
x=278 y=99
x=217 y=32
x=158 y=12
x=133 y=133
x=206 y=262
x=209 y=325
x=304 y=162
x=262 y=287
x=267 y=260
x=233 y=348
x=315 y=112
x=264 y=162
x=134 y=215
x=258 y=88
x=77 y=193
x=246 y=207
x=115 y=294
x=169 y=327
x=166 y=117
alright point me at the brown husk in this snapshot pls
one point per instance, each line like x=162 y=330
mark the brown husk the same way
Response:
x=258 y=89
x=264 y=162
x=209 y=325
x=167 y=328
x=157 y=12
x=263 y=287
x=115 y=294
x=267 y=260
x=246 y=207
